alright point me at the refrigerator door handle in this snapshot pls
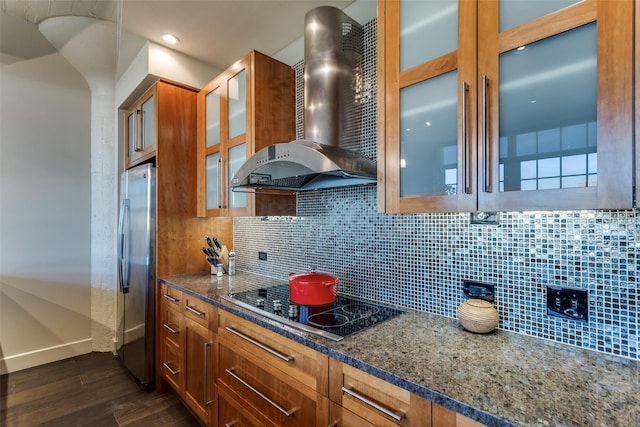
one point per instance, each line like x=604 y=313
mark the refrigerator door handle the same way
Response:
x=123 y=271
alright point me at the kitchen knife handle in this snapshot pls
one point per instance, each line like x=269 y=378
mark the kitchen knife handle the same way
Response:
x=396 y=415
x=256 y=391
x=260 y=345
x=205 y=374
x=485 y=136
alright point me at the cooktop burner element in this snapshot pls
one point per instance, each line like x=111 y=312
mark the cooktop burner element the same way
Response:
x=346 y=316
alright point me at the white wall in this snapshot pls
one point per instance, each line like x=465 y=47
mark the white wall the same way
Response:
x=45 y=212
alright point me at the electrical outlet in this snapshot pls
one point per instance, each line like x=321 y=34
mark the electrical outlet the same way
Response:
x=262 y=256
x=479 y=290
x=568 y=303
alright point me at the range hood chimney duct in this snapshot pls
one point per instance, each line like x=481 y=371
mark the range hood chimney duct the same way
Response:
x=328 y=156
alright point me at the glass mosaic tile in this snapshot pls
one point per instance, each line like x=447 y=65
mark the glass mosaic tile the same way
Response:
x=419 y=261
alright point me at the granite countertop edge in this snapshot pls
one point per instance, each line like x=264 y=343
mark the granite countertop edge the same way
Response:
x=342 y=353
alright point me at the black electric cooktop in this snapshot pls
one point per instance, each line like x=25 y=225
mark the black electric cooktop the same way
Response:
x=335 y=321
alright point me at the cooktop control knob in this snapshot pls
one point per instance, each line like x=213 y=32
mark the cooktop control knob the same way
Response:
x=293 y=312
x=260 y=303
x=277 y=306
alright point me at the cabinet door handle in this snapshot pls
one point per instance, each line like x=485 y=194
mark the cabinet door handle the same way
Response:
x=485 y=135
x=260 y=345
x=166 y=365
x=170 y=298
x=231 y=423
x=194 y=311
x=256 y=391
x=205 y=374
x=464 y=89
x=169 y=328
x=138 y=145
x=222 y=186
x=396 y=415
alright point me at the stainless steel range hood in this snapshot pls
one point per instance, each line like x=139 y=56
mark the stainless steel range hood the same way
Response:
x=332 y=116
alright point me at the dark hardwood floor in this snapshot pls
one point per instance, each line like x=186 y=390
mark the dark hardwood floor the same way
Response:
x=89 y=390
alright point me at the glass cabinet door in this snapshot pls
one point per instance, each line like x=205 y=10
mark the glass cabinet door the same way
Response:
x=132 y=132
x=212 y=118
x=237 y=155
x=237 y=105
x=429 y=108
x=547 y=125
x=140 y=128
x=213 y=181
x=147 y=119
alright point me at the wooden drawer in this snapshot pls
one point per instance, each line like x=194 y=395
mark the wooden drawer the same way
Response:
x=233 y=413
x=171 y=323
x=264 y=390
x=265 y=347
x=340 y=417
x=171 y=365
x=375 y=400
x=443 y=417
x=171 y=296
x=200 y=312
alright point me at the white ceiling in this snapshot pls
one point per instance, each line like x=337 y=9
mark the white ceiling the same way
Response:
x=217 y=32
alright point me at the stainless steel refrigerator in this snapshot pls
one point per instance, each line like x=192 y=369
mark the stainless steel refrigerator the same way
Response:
x=136 y=272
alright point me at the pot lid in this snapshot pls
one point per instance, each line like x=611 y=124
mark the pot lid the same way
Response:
x=313 y=278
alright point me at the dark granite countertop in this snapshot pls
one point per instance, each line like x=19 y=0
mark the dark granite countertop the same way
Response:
x=499 y=379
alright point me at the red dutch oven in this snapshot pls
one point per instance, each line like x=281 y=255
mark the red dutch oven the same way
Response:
x=312 y=288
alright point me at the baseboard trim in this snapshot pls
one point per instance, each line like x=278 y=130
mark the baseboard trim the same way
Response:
x=43 y=356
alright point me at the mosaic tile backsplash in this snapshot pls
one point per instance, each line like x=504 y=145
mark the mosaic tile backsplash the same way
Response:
x=419 y=261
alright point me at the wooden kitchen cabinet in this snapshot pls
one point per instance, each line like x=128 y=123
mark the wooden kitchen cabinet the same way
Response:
x=199 y=369
x=141 y=129
x=187 y=345
x=359 y=395
x=443 y=417
x=510 y=109
x=637 y=101
x=277 y=381
x=170 y=337
x=249 y=106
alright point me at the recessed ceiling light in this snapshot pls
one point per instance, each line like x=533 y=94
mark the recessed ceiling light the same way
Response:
x=169 y=38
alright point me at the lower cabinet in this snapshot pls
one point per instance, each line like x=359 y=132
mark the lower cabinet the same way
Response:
x=365 y=397
x=199 y=375
x=187 y=345
x=443 y=417
x=232 y=372
x=276 y=381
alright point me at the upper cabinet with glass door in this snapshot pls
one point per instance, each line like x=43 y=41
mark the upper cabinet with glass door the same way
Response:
x=556 y=102
x=427 y=68
x=247 y=107
x=140 y=129
x=541 y=117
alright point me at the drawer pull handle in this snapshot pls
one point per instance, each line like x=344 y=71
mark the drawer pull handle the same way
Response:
x=260 y=345
x=166 y=365
x=256 y=391
x=169 y=328
x=230 y=424
x=396 y=415
x=170 y=298
x=194 y=311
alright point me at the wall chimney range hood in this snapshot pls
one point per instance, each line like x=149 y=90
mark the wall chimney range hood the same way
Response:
x=332 y=116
